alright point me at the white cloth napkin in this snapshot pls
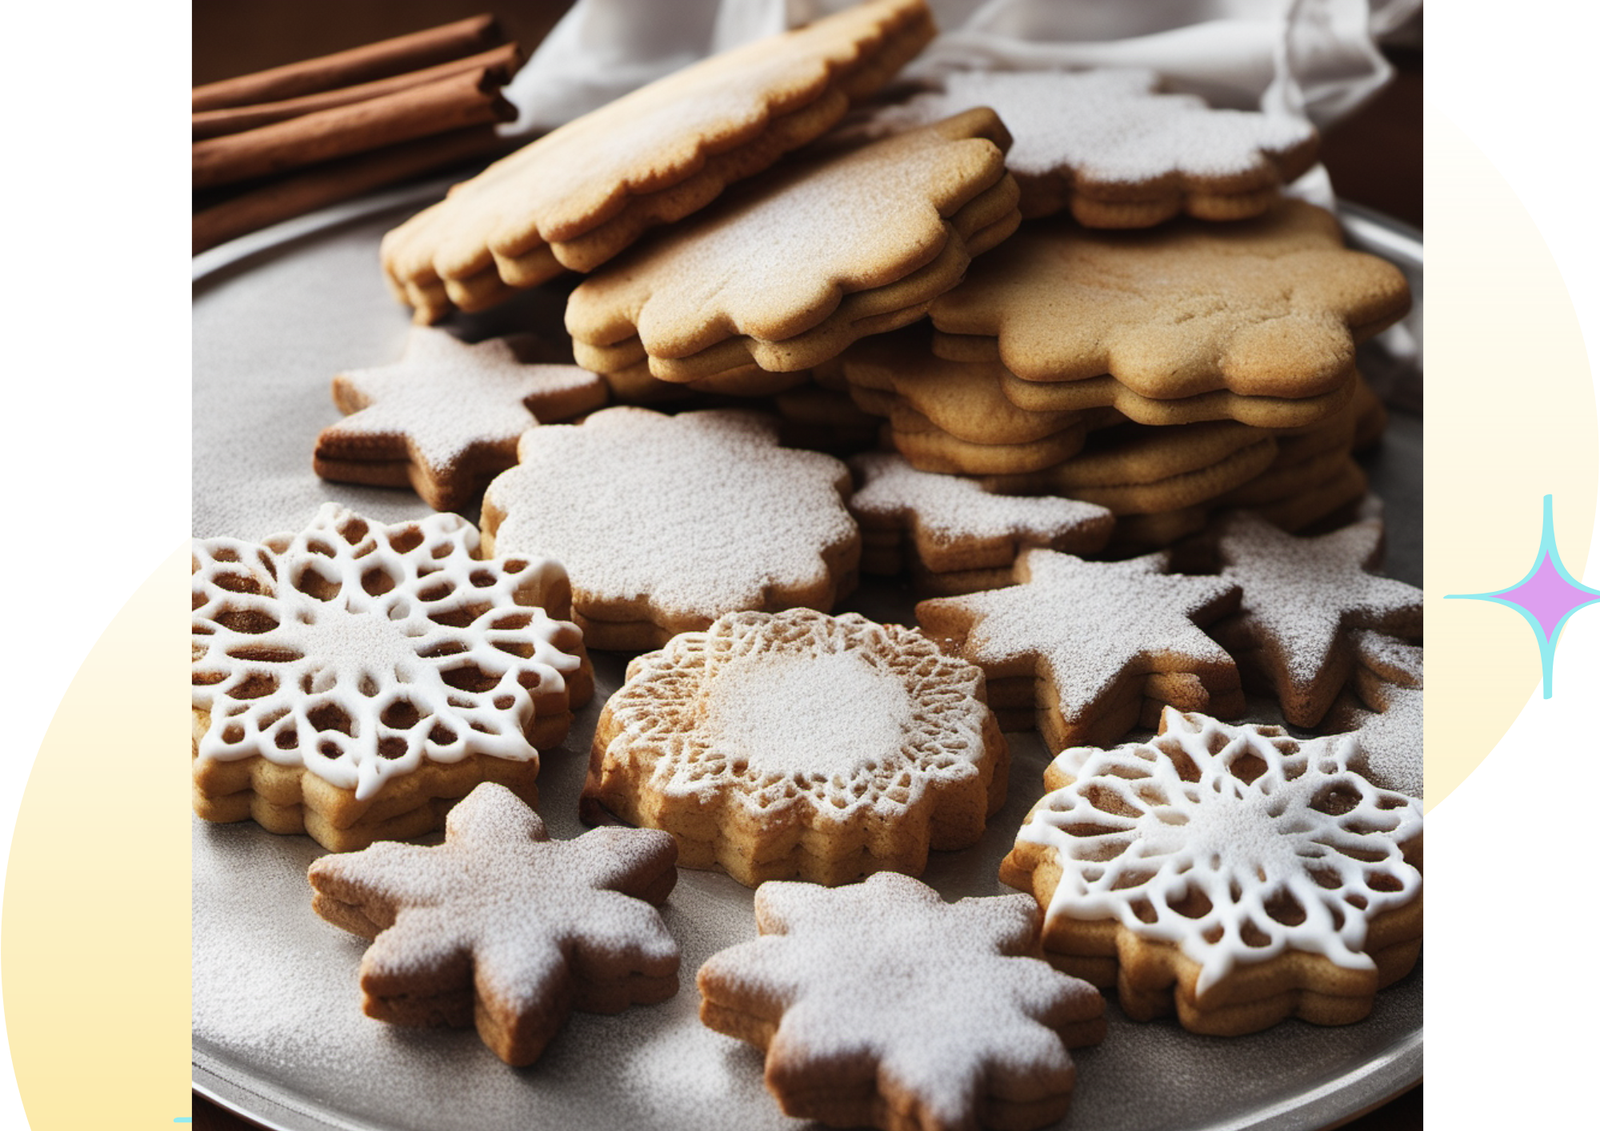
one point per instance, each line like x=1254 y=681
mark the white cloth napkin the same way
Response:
x=1312 y=58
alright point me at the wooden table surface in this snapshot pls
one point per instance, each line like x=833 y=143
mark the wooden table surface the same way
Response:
x=1374 y=158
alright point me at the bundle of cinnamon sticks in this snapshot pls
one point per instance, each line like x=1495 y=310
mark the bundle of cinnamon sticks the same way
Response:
x=278 y=143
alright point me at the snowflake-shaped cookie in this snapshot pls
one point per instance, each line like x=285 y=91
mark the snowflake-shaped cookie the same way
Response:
x=787 y=744
x=880 y=1004
x=1388 y=733
x=1088 y=635
x=1227 y=870
x=332 y=666
x=1118 y=152
x=1273 y=306
x=502 y=927
x=953 y=524
x=667 y=522
x=1302 y=600
x=445 y=418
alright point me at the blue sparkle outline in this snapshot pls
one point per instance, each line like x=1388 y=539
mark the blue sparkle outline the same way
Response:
x=1547 y=549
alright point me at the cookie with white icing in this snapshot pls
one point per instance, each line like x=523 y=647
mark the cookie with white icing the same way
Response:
x=881 y=1005
x=947 y=525
x=665 y=523
x=795 y=744
x=1303 y=600
x=1268 y=307
x=445 y=418
x=1230 y=874
x=1110 y=146
x=580 y=194
x=502 y=927
x=789 y=270
x=354 y=680
x=1089 y=642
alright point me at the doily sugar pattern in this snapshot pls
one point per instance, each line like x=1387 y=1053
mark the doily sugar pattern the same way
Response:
x=799 y=744
x=358 y=650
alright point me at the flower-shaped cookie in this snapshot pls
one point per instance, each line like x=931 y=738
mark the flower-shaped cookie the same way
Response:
x=880 y=1004
x=1303 y=599
x=1089 y=642
x=1271 y=307
x=776 y=745
x=1228 y=872
x=445 y=418
x=1118 y=152
x=351 y=680
x=504 y=928
x=666 y=522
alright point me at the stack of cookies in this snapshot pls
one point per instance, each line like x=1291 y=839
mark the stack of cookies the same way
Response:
x=1164 y=337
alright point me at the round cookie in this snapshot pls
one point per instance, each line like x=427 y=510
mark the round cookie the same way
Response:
x=795 y=744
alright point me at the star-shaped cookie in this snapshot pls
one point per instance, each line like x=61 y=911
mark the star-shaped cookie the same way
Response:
x=880 y=1004
x=1089 y=636
x=1272 y=306
x=502 y=927
x=1303 y=598
x=445 y=418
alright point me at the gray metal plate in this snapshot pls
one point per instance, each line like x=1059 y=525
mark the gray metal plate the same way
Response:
x=279 y=1036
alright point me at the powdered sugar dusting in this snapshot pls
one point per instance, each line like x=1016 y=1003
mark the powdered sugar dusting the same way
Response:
x=938 y=995
x=1087 y=623
x=1109 y=125
x=341 y=648
x=693 y=515
x=1241 y=815
x=952 y=507
x=1300 y=594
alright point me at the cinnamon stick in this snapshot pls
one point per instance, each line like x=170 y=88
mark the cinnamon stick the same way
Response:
x=357 y=65
x=467 y=99
x=333 y=181
x=234 y=119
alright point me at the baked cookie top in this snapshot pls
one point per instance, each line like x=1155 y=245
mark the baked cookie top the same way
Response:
x=1283 y=846
x=632 y=152
x=775 y=258
x=1117 y=151
x=358 y=651
x=501 y=912
x=940 y=1005
x=1271 y=307
x=677 y=519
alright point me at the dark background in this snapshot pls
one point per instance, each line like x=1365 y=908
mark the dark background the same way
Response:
x=1374 y=158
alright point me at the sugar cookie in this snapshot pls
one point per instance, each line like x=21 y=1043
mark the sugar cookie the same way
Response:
x=502 y=927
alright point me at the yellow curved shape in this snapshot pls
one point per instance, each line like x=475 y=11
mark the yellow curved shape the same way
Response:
x=94 y=951
x=1510 y=418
